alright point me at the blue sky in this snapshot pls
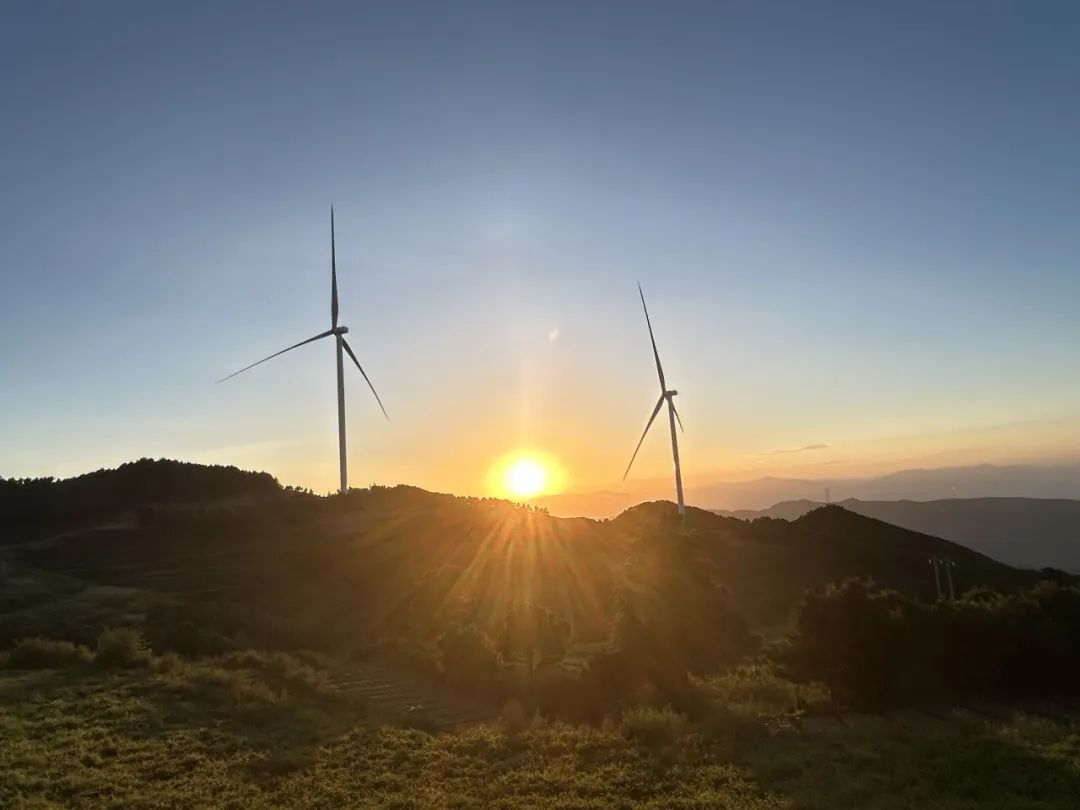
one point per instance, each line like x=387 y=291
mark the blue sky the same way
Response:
x=856 y=226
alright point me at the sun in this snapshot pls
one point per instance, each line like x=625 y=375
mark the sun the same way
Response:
x=525 y=477
x=525 y=474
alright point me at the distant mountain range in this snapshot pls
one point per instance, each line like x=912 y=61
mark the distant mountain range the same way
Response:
x=1024 y=532
x=982 y=481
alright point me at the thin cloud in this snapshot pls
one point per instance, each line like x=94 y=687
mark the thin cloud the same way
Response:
x=553 y=335
x=804 y=449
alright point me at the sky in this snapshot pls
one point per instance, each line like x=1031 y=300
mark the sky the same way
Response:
x=856 y=226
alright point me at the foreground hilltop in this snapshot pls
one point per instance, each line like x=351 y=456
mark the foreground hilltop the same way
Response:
x=405 y=562
x=29 y=505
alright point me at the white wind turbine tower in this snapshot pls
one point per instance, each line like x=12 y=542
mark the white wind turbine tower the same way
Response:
x=339 y=338
x=673 y=415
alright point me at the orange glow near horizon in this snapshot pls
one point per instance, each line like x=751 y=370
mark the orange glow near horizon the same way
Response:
x=525 y=474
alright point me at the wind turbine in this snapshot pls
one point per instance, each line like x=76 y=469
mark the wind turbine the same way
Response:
x=339 y=333
x=673 y=415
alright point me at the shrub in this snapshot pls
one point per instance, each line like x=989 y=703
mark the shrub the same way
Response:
x=534 y=634
x=553 y=692
x=873 y=647
x=278 y=667
x=513 y=717
x=44 y=653
x=213 y=675
x=254 y=701
x=280 y=763
x=653 y=727
x=417 y=719
x=288 y=668
x=190 y=633
x=120 y=647
x=248 y=692
x=244 y=659
x=720 y=724
x=602 y=687
x=467 y=659
x=757 y=688
x=683 y=623
x=681 y=619
x=753 y=684
x=168 y=664
x=854 y=637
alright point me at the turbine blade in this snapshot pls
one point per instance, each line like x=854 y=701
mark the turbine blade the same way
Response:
x=656 y=354
x=275 y=354
x=333 y=273
x=348 y=348
x=655 y=411
x=678 y=418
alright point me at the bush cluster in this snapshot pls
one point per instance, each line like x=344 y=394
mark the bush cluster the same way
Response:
x=874 y=647
x=467 y=658
x=651 y=727
x=121 y=647
x=659 y=636
x=117 y=648
x=46 y=653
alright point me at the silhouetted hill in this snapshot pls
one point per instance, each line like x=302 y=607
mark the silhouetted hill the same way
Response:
x=47 y=502
x=402 y=563
x=785 y=510
x=601 y=504
x=768 y=563
x=1025 y=532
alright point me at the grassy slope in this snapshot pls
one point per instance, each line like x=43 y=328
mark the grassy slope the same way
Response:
x=188 y=735
x=184 y=735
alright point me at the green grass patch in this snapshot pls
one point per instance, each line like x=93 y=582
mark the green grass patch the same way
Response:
x=237 y=732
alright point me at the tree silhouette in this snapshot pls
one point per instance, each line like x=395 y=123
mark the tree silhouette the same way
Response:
x=535 y=633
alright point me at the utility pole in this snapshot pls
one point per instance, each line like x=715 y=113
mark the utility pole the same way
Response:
x=948 y=575
x=937 y=575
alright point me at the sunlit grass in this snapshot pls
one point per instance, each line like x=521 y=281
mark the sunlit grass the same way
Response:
x=249 y=731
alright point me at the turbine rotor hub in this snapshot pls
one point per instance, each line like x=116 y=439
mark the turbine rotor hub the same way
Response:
x=341 y=330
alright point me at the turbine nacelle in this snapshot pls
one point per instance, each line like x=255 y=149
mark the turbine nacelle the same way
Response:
x=670 y=394
x=340 y=330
